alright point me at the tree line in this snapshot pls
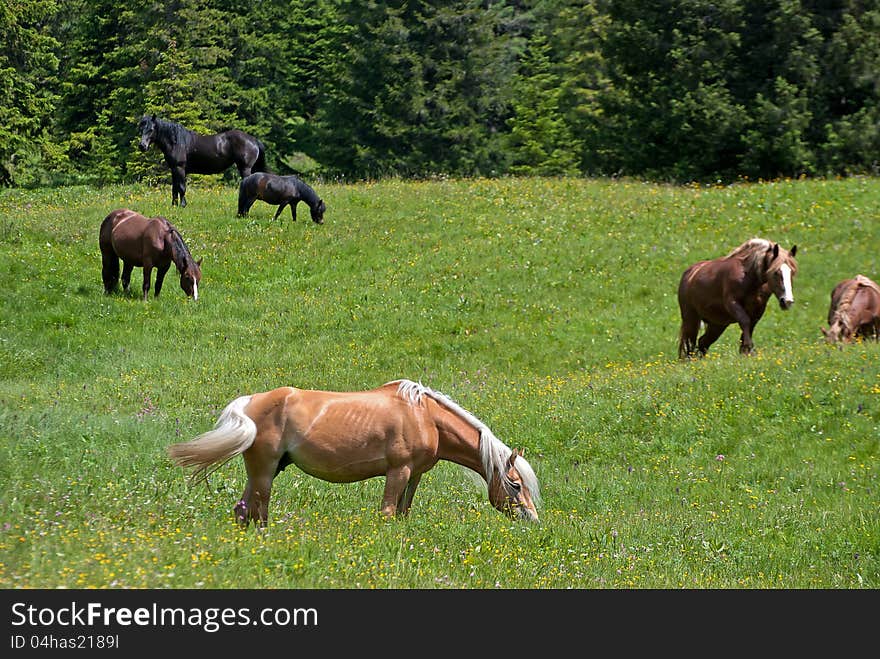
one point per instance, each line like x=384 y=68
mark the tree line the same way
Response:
x=678 y=90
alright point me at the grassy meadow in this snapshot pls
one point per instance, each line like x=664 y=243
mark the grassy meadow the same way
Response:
x=546 y=307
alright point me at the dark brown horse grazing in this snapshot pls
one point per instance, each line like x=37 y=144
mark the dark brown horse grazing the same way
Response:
x=282 y=190
x=145 y=242
x=188 y=152
x=399 y=430
x=854 y=311
x=733 y=289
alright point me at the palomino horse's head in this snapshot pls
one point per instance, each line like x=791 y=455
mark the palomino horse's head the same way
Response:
x=318 y=212
x=147 y=130
x=514 y=492
x=780 y=271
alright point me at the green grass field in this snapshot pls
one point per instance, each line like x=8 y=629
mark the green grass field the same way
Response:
x=544 y=306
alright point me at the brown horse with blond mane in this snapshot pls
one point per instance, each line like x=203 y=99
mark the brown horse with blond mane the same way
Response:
x=733 y=289
x=854 y=311
x=399 y=430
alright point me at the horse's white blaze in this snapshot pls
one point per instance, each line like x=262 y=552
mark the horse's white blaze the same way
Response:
x=195 y=290
x=787 y=295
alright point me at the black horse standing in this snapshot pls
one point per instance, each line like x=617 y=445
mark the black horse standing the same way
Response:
x=281 y=190
x=188 y=152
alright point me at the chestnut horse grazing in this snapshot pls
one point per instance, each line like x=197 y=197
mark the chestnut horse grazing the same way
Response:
x=854 y=311
x=399 y=430
x=733 y=289
x=145 y=242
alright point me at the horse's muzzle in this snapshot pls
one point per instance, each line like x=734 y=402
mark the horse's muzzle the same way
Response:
x=143 y=147
x=785 y=304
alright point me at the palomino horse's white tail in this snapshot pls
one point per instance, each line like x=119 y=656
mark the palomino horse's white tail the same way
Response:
x=232 y=435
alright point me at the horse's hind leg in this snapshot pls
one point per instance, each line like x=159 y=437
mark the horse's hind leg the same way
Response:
x=254 y=503
x=127 y=269
x=687 y=342
x=160 y=277
x=109 y=270
x=244 y=203
x=261 y=464
x=148 y=272
x=281 y=208
x=709 y=337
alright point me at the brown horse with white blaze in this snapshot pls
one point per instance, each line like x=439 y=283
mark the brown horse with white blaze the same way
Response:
x=733 y=289
x=399 y=430
x=145 y=242
x=854 y=311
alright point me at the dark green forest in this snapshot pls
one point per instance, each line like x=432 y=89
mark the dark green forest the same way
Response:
x=675 y=90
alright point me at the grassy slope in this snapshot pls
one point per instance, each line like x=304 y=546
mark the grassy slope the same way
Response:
x=546 y=307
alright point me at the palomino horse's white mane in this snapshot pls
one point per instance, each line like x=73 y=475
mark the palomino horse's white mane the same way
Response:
x=493 y=452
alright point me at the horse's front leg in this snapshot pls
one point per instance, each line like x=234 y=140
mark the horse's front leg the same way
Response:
x=178 y=185
x=160 y=277
x=406 y=499
x=127 y=269
x=396 y=479
x=744 y=320
x=746 y=341
x=293 y=206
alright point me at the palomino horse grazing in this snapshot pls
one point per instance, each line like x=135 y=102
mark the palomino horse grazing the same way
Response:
x=733 y=289
x=399 y=430
x=281 y=190
x=854 y=311
x=145 y=242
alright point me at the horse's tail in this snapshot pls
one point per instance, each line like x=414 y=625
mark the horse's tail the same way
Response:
x=260 y=164
x=232 y=435
x=243 y=205
x=109 y=259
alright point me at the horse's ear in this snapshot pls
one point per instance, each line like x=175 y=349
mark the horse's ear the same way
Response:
x=154 y=117
x=793 y=250
x=199 y=262
x=775 y=250
x=824 y=331
x=512 y=459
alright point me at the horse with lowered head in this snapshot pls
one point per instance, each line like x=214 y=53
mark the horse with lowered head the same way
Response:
x=145 y=242
x=733 y=289
x=188 y=152
x=399 y=430
x=854 y=311
x=281 y=190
